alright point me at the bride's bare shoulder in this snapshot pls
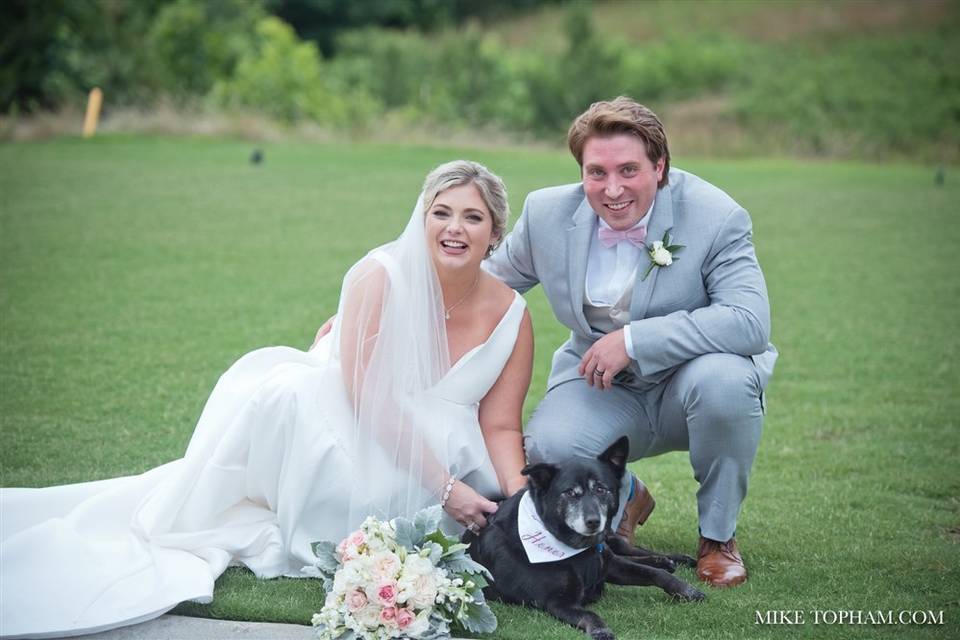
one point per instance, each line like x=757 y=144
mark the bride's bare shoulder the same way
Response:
x=366 y=280
x=371 y=271
x=500 y=295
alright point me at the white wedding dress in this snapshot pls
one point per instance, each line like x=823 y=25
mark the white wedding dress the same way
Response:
x=266 y=473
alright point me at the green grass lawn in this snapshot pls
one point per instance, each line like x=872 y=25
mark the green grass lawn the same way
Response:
x=134 y=270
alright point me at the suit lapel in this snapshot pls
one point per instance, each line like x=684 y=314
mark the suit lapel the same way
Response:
x=661 y=220
x=578 y=249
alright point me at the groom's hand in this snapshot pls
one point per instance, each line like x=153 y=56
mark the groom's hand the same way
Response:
x=605 y=359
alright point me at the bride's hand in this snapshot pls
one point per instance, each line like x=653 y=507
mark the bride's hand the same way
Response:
x=323 y=330
x=468 y=507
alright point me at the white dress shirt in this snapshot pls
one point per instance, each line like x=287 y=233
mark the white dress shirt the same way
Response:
x=610 y=269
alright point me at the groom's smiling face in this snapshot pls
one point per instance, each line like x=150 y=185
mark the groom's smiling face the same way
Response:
x=619 y=179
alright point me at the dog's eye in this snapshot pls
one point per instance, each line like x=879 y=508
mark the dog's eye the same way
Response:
x=602 y=490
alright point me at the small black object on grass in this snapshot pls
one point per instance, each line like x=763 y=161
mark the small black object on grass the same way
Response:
x=256 y=157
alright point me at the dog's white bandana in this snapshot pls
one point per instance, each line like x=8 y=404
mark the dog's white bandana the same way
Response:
x=540 y=544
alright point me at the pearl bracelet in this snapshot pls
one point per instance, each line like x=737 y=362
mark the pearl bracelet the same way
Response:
x=447 y=489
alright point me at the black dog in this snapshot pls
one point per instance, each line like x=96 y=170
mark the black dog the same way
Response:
x=575 y=503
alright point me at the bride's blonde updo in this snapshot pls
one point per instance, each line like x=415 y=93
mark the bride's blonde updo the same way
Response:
x=491 y=188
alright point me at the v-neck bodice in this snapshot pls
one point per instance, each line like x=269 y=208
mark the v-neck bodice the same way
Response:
x=472 y=376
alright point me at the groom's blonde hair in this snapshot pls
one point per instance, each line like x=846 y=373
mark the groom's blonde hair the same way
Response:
x=491 y=188
x=621 y=115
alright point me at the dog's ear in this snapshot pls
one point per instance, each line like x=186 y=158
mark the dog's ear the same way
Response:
x=540 y=475
x=616 y=454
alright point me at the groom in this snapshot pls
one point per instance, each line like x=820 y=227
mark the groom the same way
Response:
x=669 y=344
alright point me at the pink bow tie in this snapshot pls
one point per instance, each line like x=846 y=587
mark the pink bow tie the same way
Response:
x=610 y=237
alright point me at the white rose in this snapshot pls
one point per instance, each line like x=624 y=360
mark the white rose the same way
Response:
x=363 y=567
x=368 y=616
x=424 y=590
x=351 y=575
x=416 y=565
x=385 y=565
x=660 y=255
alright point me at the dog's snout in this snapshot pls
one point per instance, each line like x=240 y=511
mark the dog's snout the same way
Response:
x=587 y=517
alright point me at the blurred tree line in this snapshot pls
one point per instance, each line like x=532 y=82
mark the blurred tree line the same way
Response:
x=136 y=49
x=346 y=65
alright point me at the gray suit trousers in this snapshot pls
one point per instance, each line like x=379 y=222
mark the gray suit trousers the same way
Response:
x=710 y=406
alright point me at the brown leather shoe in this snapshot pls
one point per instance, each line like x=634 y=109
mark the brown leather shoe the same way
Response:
x=636 y=512
x=719 y=563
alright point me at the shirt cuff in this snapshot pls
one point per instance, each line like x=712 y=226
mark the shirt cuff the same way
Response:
x=628 y=342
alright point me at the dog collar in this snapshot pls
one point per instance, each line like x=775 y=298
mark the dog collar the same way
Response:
x=539 y=544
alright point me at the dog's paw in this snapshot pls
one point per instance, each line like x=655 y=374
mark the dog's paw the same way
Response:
x=688 y=593
x=663 y=562
x=683 y=560
x=602 y=633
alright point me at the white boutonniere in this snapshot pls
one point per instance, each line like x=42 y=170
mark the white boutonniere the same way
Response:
x=661 y=253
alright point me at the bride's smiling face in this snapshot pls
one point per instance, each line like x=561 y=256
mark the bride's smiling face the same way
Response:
x=459 y=228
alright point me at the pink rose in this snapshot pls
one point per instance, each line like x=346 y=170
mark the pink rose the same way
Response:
x=387 y=593
x=347 y=549
x=388 y=616
x=356 y=599
x=405 y=618
x=355 y=539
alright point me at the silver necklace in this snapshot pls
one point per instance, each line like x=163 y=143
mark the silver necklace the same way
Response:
x=461 y=300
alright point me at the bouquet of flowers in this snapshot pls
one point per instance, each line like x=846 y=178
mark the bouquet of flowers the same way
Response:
x=399 y=579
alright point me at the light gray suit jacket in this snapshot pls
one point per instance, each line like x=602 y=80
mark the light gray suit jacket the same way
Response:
x=712 y=299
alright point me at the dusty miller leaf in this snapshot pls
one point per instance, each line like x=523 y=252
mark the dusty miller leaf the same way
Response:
x=405 y=533
x=479 y=619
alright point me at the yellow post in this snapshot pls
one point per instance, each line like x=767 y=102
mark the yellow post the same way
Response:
x=93 y=112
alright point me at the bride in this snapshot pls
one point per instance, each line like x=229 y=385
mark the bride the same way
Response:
x=414 y=398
